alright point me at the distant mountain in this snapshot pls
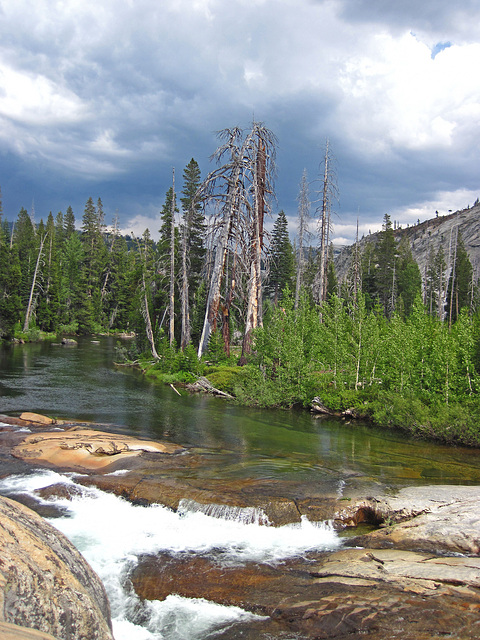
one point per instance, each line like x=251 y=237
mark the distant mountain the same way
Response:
x=425 y=236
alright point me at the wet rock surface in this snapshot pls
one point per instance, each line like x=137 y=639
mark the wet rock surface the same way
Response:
x=415 y=576
x=378 y=593
x=440 y=519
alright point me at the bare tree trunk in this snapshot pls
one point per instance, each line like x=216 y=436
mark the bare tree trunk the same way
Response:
x=185 y=332
x=319 y=280
x=108 y=274
x=34 y=281
x=329 y=191
x=303 y=214
x=356 y=270
x=213 y=299
x=325 y=267
x=172 y=267
x=453 y=282
x=254 y=309
x=148 y=323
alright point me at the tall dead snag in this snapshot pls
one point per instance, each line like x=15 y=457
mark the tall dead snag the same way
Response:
x=328 y=192
x=239 y=189
x=185 y=311
x=34 y=282
x=172 y=267
x=228 y=205
x=303 y=217
x=262 y=140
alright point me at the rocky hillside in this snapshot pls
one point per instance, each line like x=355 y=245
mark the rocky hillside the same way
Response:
x=426 y=236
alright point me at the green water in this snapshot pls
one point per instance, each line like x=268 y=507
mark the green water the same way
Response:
x=82 y=383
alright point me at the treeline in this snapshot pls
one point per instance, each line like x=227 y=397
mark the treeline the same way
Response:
x=216 y=291
x=65 y=276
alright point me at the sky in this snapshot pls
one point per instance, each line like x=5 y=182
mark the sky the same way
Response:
x=104 y=98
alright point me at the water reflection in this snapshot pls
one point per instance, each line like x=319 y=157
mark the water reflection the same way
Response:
x=82 y=383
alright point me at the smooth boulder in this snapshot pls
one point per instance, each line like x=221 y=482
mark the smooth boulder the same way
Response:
x=45 y=583
x=85 y=448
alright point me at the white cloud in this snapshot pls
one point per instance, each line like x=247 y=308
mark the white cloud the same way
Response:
x=117 y=90
x=34 y=99
x=139 y=223
x=444 y=202
x=397 y=96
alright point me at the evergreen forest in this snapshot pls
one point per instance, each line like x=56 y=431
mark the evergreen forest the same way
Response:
x=265 y=321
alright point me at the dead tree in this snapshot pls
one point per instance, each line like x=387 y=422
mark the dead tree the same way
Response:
x=172 y=267
x=34 y=282
x=329 y=192
x=262 y=152
x=303 y=217
x=145 y=308
x=240 y=188
x=228 y=204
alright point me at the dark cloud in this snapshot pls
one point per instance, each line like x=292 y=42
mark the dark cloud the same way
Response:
x=436 y=17
x=103 y=99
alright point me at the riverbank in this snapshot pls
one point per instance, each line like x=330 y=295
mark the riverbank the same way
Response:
x=451 y=423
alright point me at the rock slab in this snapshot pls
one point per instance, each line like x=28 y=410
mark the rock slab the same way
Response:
x=80 y=448
x=45 y=583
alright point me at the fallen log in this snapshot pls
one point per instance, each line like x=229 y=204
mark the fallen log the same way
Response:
x=203 y=384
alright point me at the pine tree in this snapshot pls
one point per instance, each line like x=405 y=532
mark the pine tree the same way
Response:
x=409 y=280
x=386 y=268
x=95 y=260
x=10 y=273
x=72 y=284
x=193 y=235
x=164 y=251
x=282 y=260
x=26 y=247
x=194 y=222
x=69 y=222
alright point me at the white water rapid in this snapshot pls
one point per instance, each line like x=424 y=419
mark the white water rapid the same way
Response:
x=111 y=533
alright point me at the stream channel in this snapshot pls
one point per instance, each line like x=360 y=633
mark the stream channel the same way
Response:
x=82 y=383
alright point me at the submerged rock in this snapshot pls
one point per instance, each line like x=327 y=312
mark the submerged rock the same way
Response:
x=45 y=583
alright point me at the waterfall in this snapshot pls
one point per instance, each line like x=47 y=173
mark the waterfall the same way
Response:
x=112 y=533
x=244 y=515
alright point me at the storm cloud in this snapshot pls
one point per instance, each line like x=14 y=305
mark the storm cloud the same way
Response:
x=104 y=98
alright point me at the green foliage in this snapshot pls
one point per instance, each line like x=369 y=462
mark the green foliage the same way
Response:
x=216 y=348
x=379 y=352
x=282 y=260
x=69 y=329
x=227 y=378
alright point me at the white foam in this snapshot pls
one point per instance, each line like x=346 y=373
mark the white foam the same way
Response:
x=31 y=482
x=111 y=533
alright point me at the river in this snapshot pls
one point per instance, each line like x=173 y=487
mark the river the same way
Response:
x=83 y=384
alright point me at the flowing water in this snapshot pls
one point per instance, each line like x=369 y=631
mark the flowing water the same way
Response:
x=82 y=383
